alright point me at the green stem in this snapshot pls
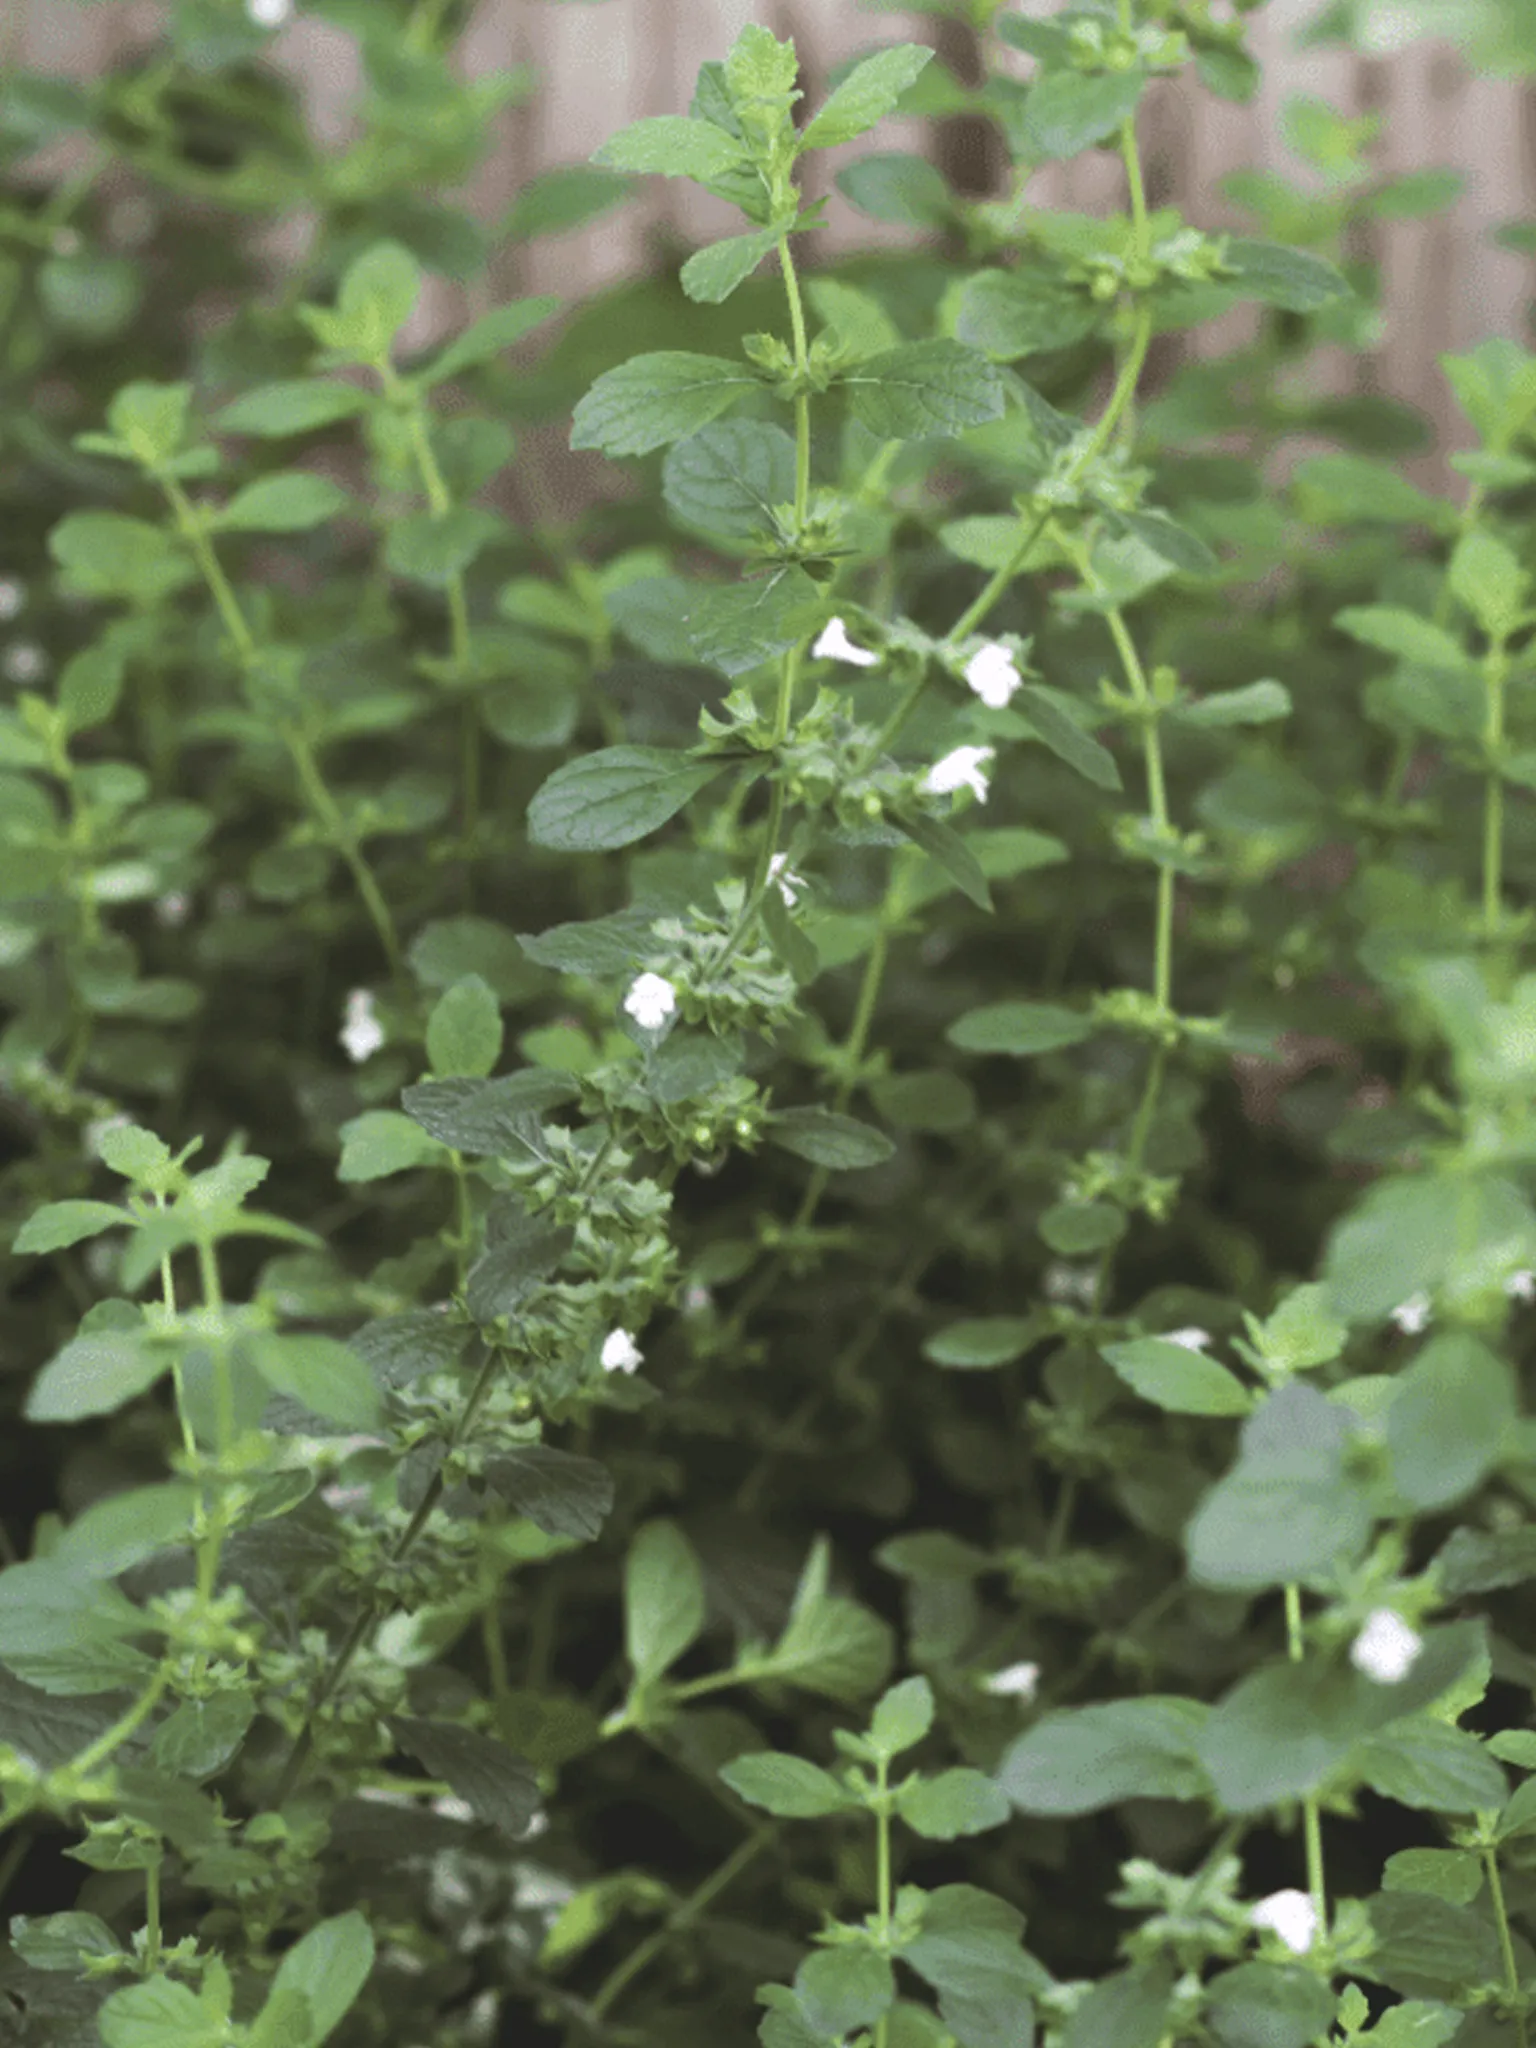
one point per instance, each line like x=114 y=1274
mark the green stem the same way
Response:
x=883 y=1880
x=1495 y=668
x=698 y=1901
x=1312 y=1824
x=151 y=1919
x=1506 y=1944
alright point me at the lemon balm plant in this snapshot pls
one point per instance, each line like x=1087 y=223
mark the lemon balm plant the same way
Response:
x=748 y=1227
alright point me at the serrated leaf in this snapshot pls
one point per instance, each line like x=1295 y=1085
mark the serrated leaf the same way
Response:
x=924 y=389
x=96 y=1375
x=502 y=1788
x=1293 y=279
x=712 y=273
x=654 y=399
x=672 y=145
x=1008 y=314
x=865 y=96
x=827 y=1139
x=1177 y=1379
x=736 y=627
x=663 y=1598
x=486 y=338
x=60 y=1224
x=895 y=186
x=612 y=798
x=464 y=1031
x=1067 y=111
x=727 y=478
x=559 y=1492
x=1083 y=1759
x=326 y=1376
x=384 y=1141
x=943 y=844
x=786 y=1785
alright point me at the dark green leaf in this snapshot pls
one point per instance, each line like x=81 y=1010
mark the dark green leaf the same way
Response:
x=654 y=399
x=500 y=1787
x=559 y=1492
x=327 y=1967
x=1426 y=1763
x=1086 y=1758
x=1294 y=279
x=735 y=627
x=1022 y=1029
x=486 y=338
x=497 y=1118
x=905 y=190
x=663 y=1598
x=726 y=479
x=1057 y=729
x=614 y=797
x=1268 y=2005
x=922 y=389
x=520 y=1251
x=1008 y=313
x=844 y=1988
x=943 y=843
x=1449 y=1418
x=464 y=1030
x=967 y=1948
x=327 y=1377
x=1127 y=2010
x=837 y=1143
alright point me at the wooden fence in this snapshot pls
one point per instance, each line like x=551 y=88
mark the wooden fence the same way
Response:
x=602 y=62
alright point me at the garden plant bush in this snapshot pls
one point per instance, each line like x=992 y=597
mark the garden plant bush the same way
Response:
x=769 y=1253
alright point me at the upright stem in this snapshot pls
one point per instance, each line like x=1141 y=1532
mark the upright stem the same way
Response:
x=883 y=1880
x=1506 y=1945
x=1311 y=1819
x=1495 y=668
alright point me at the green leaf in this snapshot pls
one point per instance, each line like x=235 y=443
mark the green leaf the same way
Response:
x=200 y=1736
x=326 y=1376
x=59 y=1941
x=378 y=295
x=520 y=1250
x=905 y=190
x=159 y=2014
x=726 y=479
x=68 y=1633
x=614 y=797
x=1489 y=581
x=967 y=1949
x=932 y=1099
x=432 y=548
x=655 y=399
x=857 y=318
x=1176 y=1378
x=1254 y=704
x=827 y=1139
x=494 y=1118
x=902 y=1717
x=1022 y=1029
x=1412 y=1231
x=293 y=405
x=735 y=627
x=1449 y=1419
x=1340 y=490
x=957 y=1802
x=866 y=95
x=1008 y=314
x=830 y=1645
x=1067 y=111
x=1452 y=1874
x=1427 y=1948
x=1403 y=633
x=554 y=202
x=844 y=1988
x=711 y=274
x=292 y=502
x=1076 y=1229
x=381 y=1142
x=1431 y=1765
x=1293 y=279
x=112 y=1535
x=1291 y=1509
x=110 y=555
x=1055 y=728
x=464 y=1031
x=485 y=339
x=786 y=1785
x=1082 y=1759
x=1173 y=543
x=982 y=1342
x=96 y=1375
x=502 y=1789
x=138 y=1155
x=1127 y=2010
x=942 y=843
x=663 y=1599
x=599 y=948
x=559 y=1492
x=448 y=948
x=59 y=1224
x=924 y=388
x=673 y=145
x=1481 y=1561
x=1268 y=2005
x=329 y=1967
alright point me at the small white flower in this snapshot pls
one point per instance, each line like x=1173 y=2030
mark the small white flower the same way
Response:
x=362 y=1034
x=961 y=769
x=172 y=909
x=1413 y=1314
x=269 y=13
x=1291 y=1915
x=992 y=674
x=620 y=1352
x=790 y=884
x=833 y=644
x=651 y=1001
x=1191 y=1339
x=1386 y=1649
x=1013 y=1682
x=12 y=597
x=1521 y=1286
x=23 y=662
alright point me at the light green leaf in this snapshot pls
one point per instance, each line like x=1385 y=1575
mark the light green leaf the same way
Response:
x=158 y=2014
x=293 y=405
x=844 y=1988
x=865 y=96
x=59 y=1224
x=1489 y=581
x=1403 y=633
x=1057 y=729
x=1449 y=1420
x=1067 y=111
x=1293 y=279
x=957 y=1802
x=1254 y=704
x=673 y=145
x=830 y=1645
x=1082 y=1759
x=383 y=1141
x=663 y=1598
x=328 y=1967
x=289 y=503
x=786 y=1785
x=711 y=274
x=378 y=295
x=1022 y=1029
x=96 y=1375
x=902 y=1717
x=485 y=339
x=982 y=1342
x=1008 y=314
x=109 y=554
x=1175 y=1378
x=905 y=190
x=326 y=1376
x=836 y=1143
x=464 y=1031
x=654 y=399
x=1430 y=1765
x=614 y=797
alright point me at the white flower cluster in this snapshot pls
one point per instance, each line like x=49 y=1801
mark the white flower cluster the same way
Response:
x=993 y=674
x=1386 y=1648
x=1413 y=1315
x=1290 y=1914
x=620 y=1352
x=651 y=1001
x=832 y=644
x=789 y=884
x=362 y=1034
x=964 y=768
